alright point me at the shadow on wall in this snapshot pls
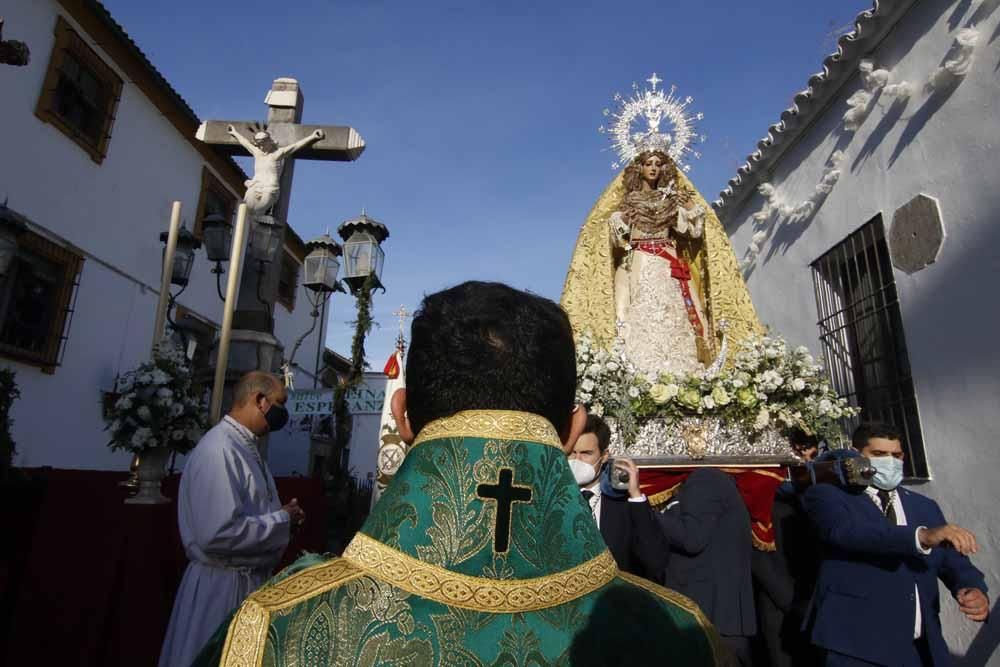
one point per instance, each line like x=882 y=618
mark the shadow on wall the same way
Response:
x=984 y=644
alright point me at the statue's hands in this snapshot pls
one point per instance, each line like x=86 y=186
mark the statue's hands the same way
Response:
x=318 y=134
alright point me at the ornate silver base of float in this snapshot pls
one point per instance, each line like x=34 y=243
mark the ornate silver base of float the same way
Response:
x=697 y=441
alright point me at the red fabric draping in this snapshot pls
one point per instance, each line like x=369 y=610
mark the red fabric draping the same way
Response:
x=757 y=486
x=101 y=575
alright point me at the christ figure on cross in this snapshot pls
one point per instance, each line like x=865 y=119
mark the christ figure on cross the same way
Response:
x=268 y=162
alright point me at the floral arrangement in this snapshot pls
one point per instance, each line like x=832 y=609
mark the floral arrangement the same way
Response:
x=157 y=406
x=768 y=385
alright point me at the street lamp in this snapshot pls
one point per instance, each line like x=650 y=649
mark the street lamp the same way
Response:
x=363 y=254
x=187 y=243
x=217 y=232
x=11 y=227
x=321 y=267
x=265 y=239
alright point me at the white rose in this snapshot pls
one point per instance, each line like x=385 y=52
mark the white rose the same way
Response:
x=798 y=384
x=594 y=369
x=587 y=385
x=708 y=402
x=633 y=392
x=762 y=420
x=825 y=406
x=612 y=366
x=802 y=350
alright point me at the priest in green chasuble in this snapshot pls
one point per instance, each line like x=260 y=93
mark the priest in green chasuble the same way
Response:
x=482 y=550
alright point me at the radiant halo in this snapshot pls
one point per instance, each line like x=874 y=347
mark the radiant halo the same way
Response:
x=656 y=108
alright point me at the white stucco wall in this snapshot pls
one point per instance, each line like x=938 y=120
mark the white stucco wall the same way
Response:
x=114 y=212
x=944 y=145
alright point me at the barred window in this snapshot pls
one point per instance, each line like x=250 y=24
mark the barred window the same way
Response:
x=288 y=280
x=36 y=301
x=861 y=330
x=80 y=94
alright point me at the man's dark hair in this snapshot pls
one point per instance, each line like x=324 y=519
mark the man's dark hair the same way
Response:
x=598 y=427
x=487 y=346
x=868 y=430
x=801 y=440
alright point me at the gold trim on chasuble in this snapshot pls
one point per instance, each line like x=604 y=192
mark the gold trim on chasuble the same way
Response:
x=719 y=652
x=491 y=425
x=495 y=596
x=247 y=633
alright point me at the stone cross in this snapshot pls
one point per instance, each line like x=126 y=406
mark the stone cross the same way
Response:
x=505 y=493
x=281 y=140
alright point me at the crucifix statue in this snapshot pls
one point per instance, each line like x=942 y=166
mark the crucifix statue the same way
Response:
x=275 y=146
x=268 y=163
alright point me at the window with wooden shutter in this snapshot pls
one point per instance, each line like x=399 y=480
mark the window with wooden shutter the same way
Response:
x=80 y=94
x=288 y=280
x=36 y=301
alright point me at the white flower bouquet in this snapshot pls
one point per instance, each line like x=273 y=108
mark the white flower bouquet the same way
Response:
x=767 y=385
x=157 y=406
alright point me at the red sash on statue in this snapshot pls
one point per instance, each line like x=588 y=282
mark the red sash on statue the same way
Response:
x=681 y=271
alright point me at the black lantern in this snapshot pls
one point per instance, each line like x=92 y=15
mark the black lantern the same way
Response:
x=187 y=243
x=217 y=234
x=265 y=239
x=363 y=254
x=11 y=227
x=321 y=264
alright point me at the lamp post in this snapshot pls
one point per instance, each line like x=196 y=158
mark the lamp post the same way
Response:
x=180 y=267
x=321 y=267
x=217 y=234
x=363 y=254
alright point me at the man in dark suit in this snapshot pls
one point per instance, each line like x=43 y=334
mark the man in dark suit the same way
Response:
x=708 y=535
x=784 y=578
x=626 y=521
x=876 y=599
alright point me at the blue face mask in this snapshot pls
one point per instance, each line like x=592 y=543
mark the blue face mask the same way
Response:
x=888 y=472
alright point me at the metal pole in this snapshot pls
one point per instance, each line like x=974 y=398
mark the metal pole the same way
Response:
x=319 y=345
x=167 y=274
x=232 y=294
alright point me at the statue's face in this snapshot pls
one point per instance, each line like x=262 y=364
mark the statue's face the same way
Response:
x=651 y=168
x=264 y=142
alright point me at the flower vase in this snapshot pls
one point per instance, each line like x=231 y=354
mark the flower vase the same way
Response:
x=150 y=473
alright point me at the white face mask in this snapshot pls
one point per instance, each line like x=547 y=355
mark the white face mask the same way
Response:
x=583 y=472
x=888 y=472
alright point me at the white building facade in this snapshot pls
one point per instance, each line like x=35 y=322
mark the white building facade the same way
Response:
x=866 y=221
x=96 y=147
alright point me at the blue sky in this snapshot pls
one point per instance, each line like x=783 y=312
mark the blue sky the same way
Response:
x=481 y=118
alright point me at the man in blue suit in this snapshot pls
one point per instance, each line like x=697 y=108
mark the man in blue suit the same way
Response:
x=876 y=600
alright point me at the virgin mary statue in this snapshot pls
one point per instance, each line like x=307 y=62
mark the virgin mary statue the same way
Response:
x=653 y=265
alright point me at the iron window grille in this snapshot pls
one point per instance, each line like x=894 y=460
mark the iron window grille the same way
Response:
x=861 y=331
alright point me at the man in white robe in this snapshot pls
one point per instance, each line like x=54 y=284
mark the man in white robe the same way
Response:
x=232 y=524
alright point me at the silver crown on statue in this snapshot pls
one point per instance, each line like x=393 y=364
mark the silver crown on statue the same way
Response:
x=655 y=107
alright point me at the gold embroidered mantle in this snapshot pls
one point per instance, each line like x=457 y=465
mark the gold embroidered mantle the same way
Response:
x=588 y=293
